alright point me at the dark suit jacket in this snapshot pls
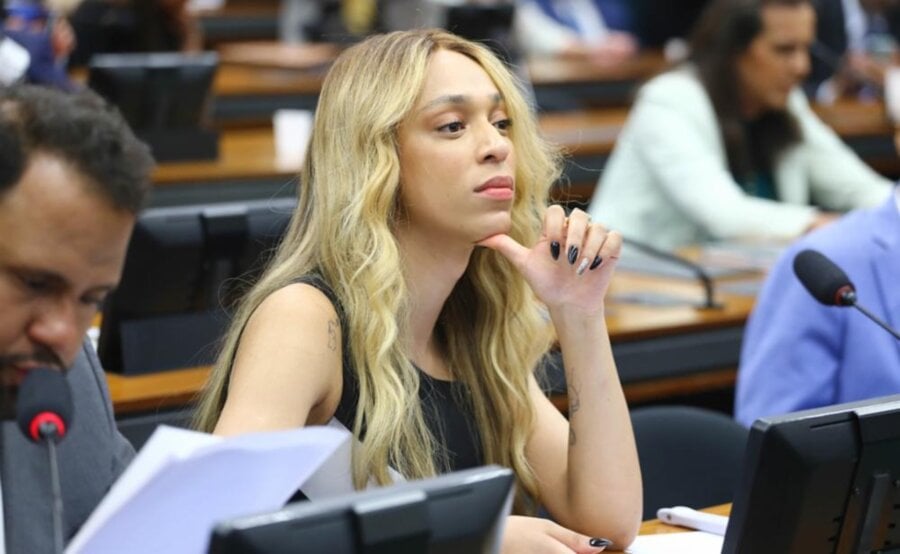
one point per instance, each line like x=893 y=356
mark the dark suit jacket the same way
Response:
x=831 y=40
x=91 y=457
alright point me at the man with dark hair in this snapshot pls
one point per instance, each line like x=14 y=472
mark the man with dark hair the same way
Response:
x=72 y=179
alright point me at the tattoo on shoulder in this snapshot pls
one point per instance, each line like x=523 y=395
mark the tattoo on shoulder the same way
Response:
x=333 y=330
x=572 y=438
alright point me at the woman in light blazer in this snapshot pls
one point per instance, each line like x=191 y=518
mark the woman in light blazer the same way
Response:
x=727 y=147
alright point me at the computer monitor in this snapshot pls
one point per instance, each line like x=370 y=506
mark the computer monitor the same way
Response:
x=164 y=96
x=817 y=481
x=458 y=512
x=184 y=268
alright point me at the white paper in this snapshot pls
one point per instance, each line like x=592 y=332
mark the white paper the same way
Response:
x=184 y=482
x=696 y=542
x=334 y=477
x=293 y=129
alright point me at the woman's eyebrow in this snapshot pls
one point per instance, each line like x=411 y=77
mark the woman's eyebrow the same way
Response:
x=458 y=100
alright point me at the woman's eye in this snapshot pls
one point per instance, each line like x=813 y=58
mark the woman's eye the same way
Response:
x=95 y=302
x=453 y=127
x=35 y=284
x=503 y=124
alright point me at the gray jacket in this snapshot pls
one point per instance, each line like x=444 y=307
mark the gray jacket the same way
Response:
x=91 y=457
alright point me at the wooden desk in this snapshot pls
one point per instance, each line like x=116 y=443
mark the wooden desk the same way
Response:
x=248 y=154
x=247 y=163
x=659 y=351
x=249 y=95
x=257 y=78
x=155 y=391
x=577 y=83
x=247 y=169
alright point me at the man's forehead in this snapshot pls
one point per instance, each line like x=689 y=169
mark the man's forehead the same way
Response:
x=53 y=207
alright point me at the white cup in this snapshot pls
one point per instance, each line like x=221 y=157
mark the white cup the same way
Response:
x=292 y=131
x=892 y=93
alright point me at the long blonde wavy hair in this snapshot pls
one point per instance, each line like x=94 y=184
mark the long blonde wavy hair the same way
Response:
x=493 y=330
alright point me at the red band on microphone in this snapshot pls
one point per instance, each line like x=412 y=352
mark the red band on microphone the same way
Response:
x=840 y=293
x=46 y=417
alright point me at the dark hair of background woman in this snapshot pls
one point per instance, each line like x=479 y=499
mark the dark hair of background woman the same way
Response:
x=725 y=30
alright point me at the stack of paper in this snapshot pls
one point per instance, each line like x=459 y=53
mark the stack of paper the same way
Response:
x=184 y=482
x=696 y=542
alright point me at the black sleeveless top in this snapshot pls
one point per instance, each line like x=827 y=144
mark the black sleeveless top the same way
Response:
x=444 y=403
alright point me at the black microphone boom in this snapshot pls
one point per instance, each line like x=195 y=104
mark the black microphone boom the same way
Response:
x=696 y=269
x=44 y=413
x=828 y=284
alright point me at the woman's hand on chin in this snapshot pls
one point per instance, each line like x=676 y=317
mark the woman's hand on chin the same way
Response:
x=570 y=266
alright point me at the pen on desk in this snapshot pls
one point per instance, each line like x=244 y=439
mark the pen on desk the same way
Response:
x=688 y=517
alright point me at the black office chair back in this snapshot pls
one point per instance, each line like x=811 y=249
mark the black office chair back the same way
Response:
x=689 y=456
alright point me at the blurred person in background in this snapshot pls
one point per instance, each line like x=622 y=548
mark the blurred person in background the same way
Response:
x=115 y=26
x=726 y=146
x=856 y=43
x=41 y=29
x=599 y=30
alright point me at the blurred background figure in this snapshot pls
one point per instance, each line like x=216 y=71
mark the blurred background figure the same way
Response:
x=351 y=20
x=857 y=42
x=41 y=29
x=114 y=26
x=600 y=30
x=726 y=146
x=798 y=353
x=657 y=22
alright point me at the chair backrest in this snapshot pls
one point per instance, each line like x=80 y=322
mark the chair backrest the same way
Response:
x=689 y=456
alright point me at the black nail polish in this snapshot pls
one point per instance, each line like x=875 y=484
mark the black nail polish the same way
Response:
x=573 y=254
x=601 y=542
x=596 y=262
x=554 y=250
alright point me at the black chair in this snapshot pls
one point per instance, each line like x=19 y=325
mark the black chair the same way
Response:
x=689 y=456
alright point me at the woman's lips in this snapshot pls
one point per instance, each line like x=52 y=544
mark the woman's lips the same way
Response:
x=498 y=188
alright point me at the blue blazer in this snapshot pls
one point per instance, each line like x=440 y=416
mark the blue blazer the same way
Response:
x=800 y=354
x=616 y=13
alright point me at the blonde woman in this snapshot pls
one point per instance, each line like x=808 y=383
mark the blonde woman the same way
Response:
x=409 y=299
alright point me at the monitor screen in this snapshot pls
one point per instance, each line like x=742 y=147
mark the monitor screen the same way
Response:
x=458 y=512
x=824 y=480
x=164 y=96
x=185 y=267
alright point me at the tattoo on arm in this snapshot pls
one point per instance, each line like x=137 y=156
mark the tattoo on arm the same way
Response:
x=574 y=406
x=333 y=335
x=574 y=400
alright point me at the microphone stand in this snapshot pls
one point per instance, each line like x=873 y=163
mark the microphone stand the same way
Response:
x=698 y=271
x=48 y=432
x=848 y=298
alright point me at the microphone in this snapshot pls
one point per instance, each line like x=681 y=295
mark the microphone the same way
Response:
x=44 y=414
x=698 y=271
x=828 y=284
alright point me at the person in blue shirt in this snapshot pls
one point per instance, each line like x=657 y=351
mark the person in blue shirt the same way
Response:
x=798 y=353
x=48 y=40
x=602 y=30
